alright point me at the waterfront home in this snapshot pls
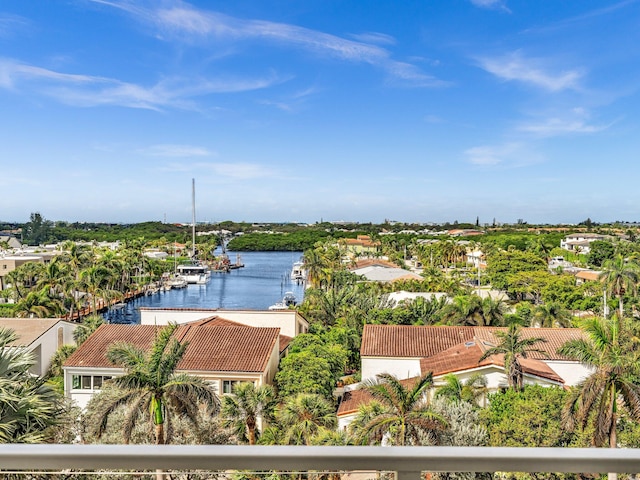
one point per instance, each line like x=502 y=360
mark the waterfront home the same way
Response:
x=399 y=349
x=290 y=322
x=222 y=354
x=362 y=244
x=40 y=336
x=411 y=351
x=580 y=242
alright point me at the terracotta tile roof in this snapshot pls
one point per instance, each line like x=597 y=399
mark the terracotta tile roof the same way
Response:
x=421 y=341
x=368 y=262
x=591 y=275
x=284 y=342
x=222 y=347
x=466 y=356
x=28 y=329
x=410 y=341
x=352 y=399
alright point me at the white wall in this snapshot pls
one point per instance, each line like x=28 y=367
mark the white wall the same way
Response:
x=47 y=344
x=571 y=372
x=81 y=396
x=289 y=321
x=400 y=367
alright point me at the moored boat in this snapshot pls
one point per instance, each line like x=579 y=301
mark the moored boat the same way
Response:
x=288 y=301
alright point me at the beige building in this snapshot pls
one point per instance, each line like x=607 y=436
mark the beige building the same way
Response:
x=40 y=336
x=221 y=352
x=9 y=263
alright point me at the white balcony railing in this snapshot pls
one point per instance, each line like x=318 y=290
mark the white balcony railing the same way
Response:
x=408 y=462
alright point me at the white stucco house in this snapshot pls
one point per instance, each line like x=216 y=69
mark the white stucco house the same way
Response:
x=40 y=336
x=580 y=242
x=408 y=352
x=221 y=352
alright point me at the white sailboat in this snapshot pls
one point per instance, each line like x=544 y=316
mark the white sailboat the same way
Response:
x=195 y=272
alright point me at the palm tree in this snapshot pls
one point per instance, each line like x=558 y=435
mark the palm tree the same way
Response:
x=304 y=417
x=407 y=418
x=464 y=310
x=513 y=347
x=28 y=407
x=38 y=304
x=470 y=390
x=315 y=265
x=245 y=407
x=152 y=385
x=620 y=276
x=94 y=282
x=493 y=312
x=551 y=314
x=611 y=350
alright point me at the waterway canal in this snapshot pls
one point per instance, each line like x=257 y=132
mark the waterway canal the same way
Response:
x=263 y=281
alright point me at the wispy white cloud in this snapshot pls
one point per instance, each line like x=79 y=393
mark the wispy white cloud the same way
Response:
x=515 y=67
x=10 y=24
x=187 y=23
x=168 y=150
x=584 y=17
x=12 y=72
x=512 y=154
x=375 y=38
x=89 y=91
x=574 y=122
x=492 y=4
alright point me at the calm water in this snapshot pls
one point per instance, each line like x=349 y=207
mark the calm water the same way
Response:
x=262 y=282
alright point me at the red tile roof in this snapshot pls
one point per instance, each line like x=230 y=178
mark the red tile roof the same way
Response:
x=352 y=399
x=216 y=347
x=368 y=262
x=466 y=356
x=423 y=342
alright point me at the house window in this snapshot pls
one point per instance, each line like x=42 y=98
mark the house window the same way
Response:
x=88 y=382
x=229 y=385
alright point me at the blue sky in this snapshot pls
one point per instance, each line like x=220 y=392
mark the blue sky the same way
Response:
x=417 y=111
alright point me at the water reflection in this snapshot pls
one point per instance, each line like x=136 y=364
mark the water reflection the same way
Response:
x=262 y=282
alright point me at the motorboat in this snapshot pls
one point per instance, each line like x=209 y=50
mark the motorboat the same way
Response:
x=298 y=273
x=288 y=301
x=194 y=272
x=176 y=281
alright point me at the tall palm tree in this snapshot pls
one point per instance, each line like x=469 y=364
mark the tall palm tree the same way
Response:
x=612 y=351
x=248 y=404
x=407 y=418
x=513 y=347
x=28 y=407
x=152 y=385
x=304 y=417
x=618 y=277
x=93 y=280
x=315 y=265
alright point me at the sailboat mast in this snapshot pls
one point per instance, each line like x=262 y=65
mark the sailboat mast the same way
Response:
x=193 y=213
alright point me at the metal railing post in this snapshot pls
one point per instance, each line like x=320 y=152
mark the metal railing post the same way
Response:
x=408 y=475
